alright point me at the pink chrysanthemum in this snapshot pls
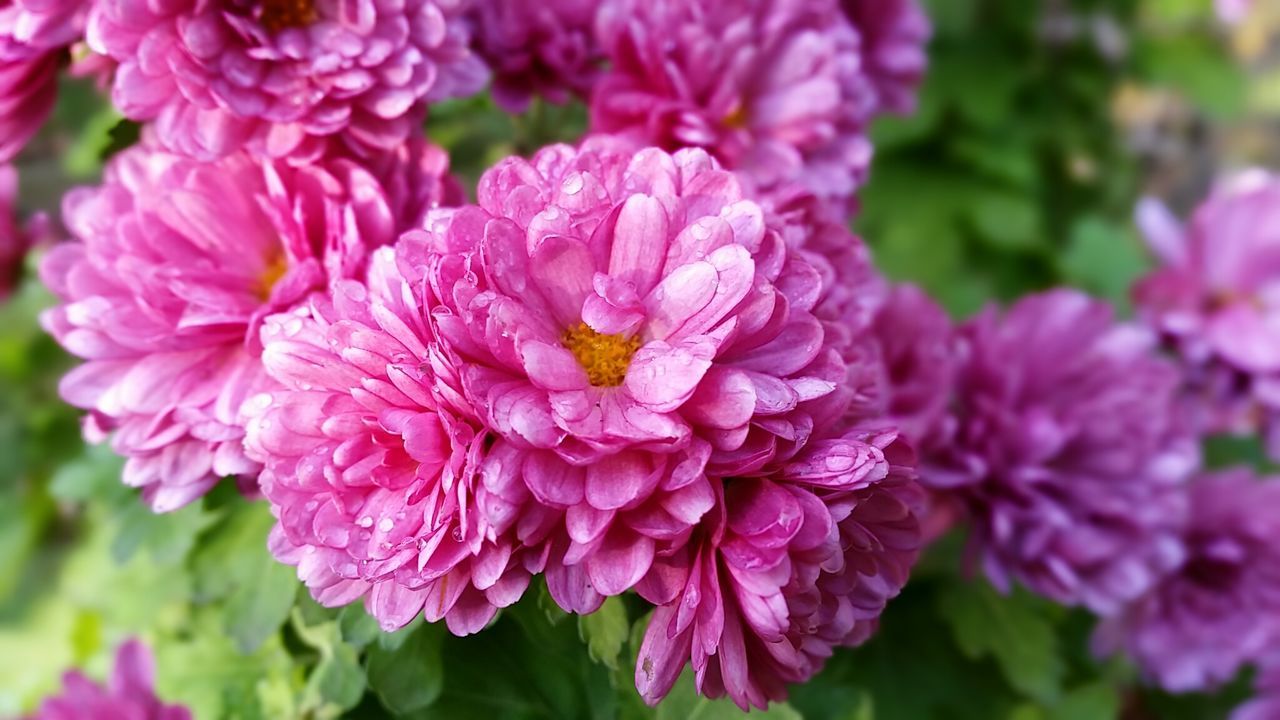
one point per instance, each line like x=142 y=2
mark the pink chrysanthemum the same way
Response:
x=546 y=48
x=371 y=457
x=1067 y=451
x=15 y=239
x=1216 y=299
x=774 y=89
x=34 y=37
x=282 y=76
x=1220 y=609
x=129 y=696
x=787 y=567
x=894 y=35
x=920 y=356
x=178 y=264
x=628 y=323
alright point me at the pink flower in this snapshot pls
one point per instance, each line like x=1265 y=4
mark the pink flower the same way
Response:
x=178 y=264
x=546 y=48
x=280 y=77
x=787 y=567
x=1233 y=11
x=34 y=37
x=371 y=457
x=1216 y=299
x=894 y=35
x=920 y=357
x=15 y=239
x=129 y=695
x=629 y=323
x=774 y=89
x=1220 y=608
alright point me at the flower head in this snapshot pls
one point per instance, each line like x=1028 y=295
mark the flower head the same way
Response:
x=628 y=323
x=128 y=696
x=547 y=48
x=920 y=358
x=1220 y=608
x=894 y=35
x=34 y=37
x=15 y=239
x=178 y=264
x=1066 y=451
x=774 y=89
x=1216 y=298
x=280 y=77
x=789 y=565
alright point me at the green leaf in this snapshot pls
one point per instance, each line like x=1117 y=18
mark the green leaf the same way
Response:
x=684 y=703
x=261 y=604
x=605 y=632
x=1103 y=258
x=168 y=537
x=1007 y=220
x=338 y=681
x=1010 y=629
x=409 y=676
x=1097 y=701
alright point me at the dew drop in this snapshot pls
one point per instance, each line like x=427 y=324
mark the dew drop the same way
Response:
x=365 y=522
x=573 y=184
x=385 y=525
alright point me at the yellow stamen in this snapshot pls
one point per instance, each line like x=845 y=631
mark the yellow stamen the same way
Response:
x=737 y=118
x=280 y=14
x=276 y=268
x=604 y=357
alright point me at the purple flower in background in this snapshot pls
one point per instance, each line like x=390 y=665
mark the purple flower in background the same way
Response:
x=1233 y=11
x=629 y=323
x=34 y=37
x=546 y=48
x=128 y=696
x=774 y=89
x=894 y=35
x=787 y=567
x=281 y=77
x=178 y=264
x=1266 y=706
x=1220 y=608
x=920 y=358
x=1066 y=451
x=372 y=459
x=15 y=239
x=1216 y=299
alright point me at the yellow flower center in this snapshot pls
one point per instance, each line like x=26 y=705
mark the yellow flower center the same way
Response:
x=604 y=357
x=276 y=268
x=737 y=118
x=280 y=14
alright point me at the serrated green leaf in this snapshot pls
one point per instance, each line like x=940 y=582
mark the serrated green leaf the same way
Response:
x=605 y=632
x=1103 y=258
x=261 y=603
x=338 y=681
x=410 y=676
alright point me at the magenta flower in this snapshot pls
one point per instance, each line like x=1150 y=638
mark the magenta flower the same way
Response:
x=774 y=89
x=1217 y=301
x=629 y=324
x=544 y=48
x=34 y=37
x=1066 y=451
x=920 y=359
x=1220 y=608
x=178 y=264
x=281 y=77
x=371 y=457
x=15 y=239
x=130 y=695
x=787 y=567
x=894 y=35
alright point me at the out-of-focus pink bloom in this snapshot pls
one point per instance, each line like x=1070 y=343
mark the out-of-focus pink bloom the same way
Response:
x=15 y=239
x=774 y=89
x=1067 y=451
x=546 y=48
x=1216 y=299
x=1220 y=609
x=894 y=35
x=920 y=357
x=1233 y=11
x=177 y=265
x=284 y=76
x=130 y=694
x=34 y=37
x=372 y=457
x=786 y=567
x=1266 y=706
x=629 y=323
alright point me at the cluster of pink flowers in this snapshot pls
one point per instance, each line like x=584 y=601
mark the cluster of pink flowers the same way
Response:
x=128 y=696
x=643 y=363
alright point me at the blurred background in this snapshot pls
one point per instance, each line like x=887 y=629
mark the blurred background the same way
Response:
x=1041 y=123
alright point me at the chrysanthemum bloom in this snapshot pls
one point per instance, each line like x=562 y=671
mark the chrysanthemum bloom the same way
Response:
x=774 y=89
x=178 y=264
x=1266 y=706
x=34 y=37
x=15 y=239
x=786 y=567
x=894 y=35
x=130 y=694
x=920 y=357
x=628 y=323
x=1220 y=609
x=371 y=457
x=1217 y=301
x=1066 y=451
x=281 y=76
x=545 y=48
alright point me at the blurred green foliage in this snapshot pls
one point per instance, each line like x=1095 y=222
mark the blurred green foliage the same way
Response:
x=1011 y=177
